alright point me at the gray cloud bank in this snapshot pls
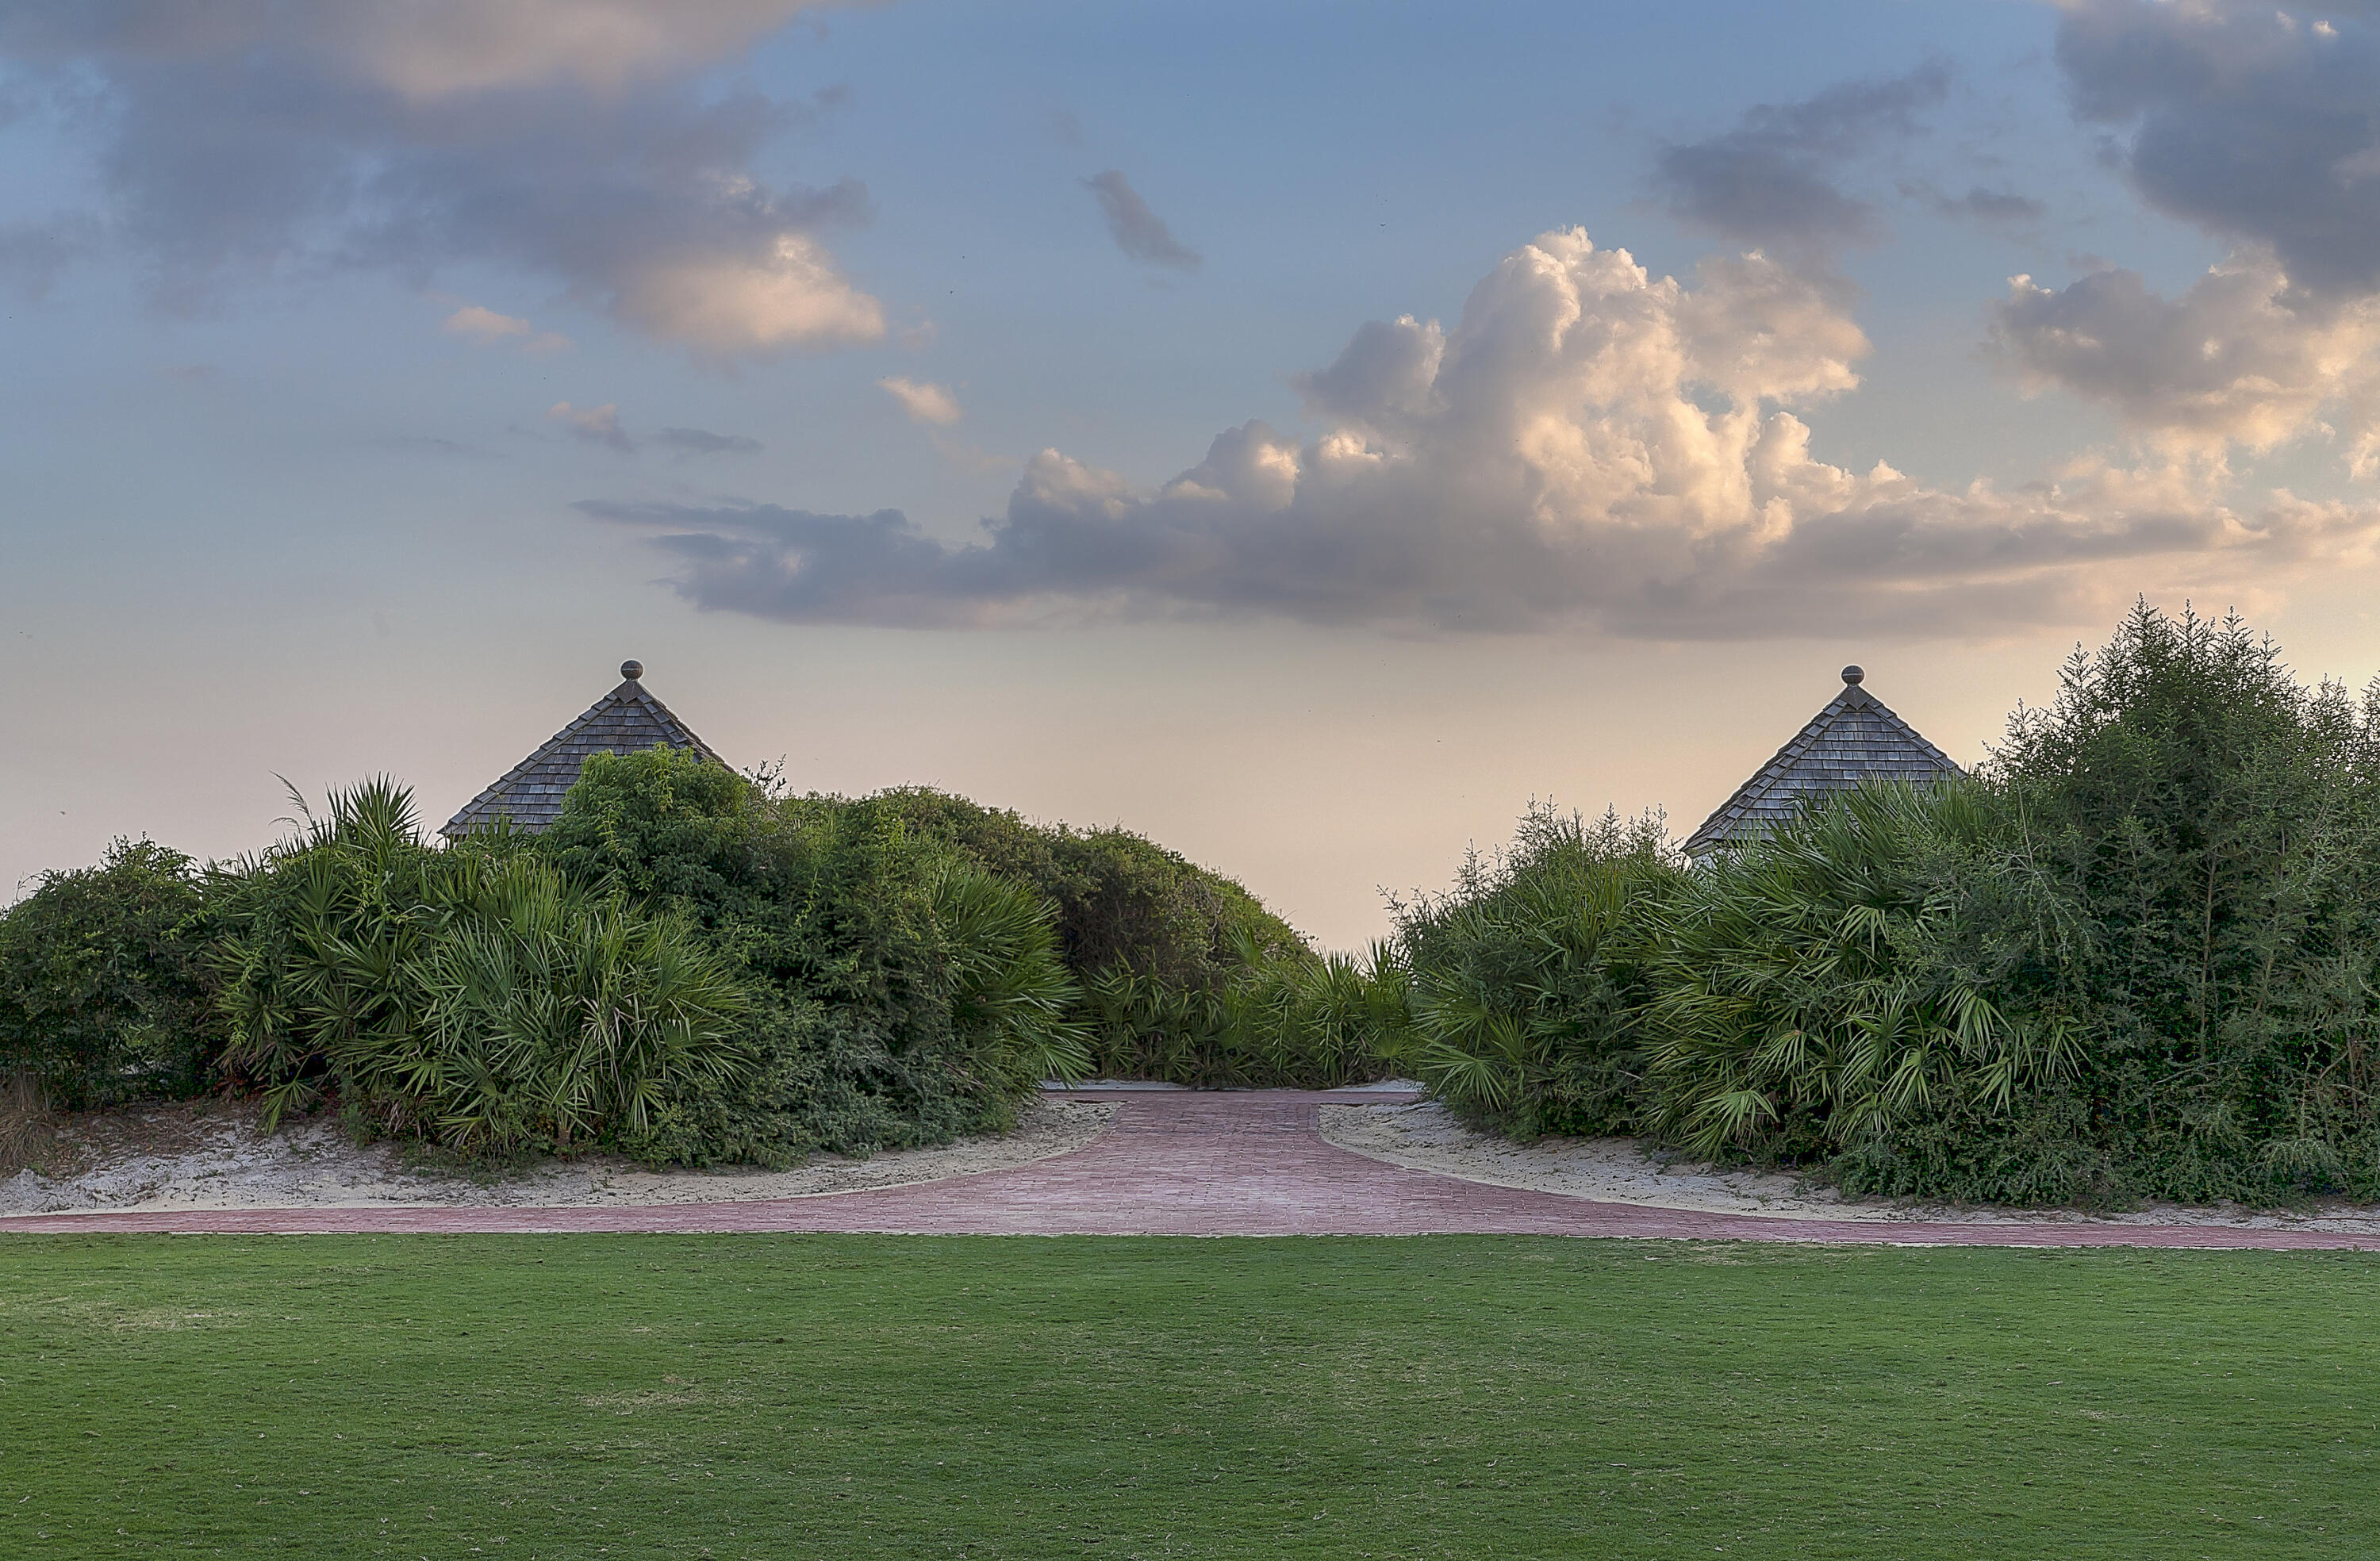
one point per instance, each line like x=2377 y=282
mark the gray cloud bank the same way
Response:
x=2262 y=126
x=1589 y=445
x=248 y=137
x=1772 y=180
x=2256 y=121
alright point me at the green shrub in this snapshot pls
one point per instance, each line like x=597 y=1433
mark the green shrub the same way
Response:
x=1284 y=1018
x=2211 y=830
x=103 y=993
x=1122 y=903
x=1526 y=980
x=474 y=998
x=2137 y=955
x=1804 y=993
x=907 y=997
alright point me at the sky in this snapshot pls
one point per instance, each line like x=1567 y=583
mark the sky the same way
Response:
x=1308 y=434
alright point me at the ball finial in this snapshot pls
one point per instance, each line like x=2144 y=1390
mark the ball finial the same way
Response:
x=632 y=670
x=1853 y=675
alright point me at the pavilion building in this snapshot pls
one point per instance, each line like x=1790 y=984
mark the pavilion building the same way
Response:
x=529 y=795
x=1855 y=738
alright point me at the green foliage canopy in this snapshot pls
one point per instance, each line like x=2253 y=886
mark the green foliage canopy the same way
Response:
x=102 y=990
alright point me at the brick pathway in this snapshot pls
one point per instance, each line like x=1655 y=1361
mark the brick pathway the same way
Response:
x=1241 y=1164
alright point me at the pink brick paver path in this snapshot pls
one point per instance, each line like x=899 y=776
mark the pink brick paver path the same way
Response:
x=1238 y=1164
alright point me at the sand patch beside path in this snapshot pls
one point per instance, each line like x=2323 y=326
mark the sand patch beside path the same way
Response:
x=211 y=1155
x=1427 y=1136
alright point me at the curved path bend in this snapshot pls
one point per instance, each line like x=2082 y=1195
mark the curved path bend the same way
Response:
x=1248 y=1163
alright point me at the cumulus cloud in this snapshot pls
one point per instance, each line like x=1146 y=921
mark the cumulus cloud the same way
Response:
x=1140 y=233
x=702 y=442
x=2260 y=124
x=1589 y=444
x=596 y=425
x=925 y=402
x=2235 y=360
x=1771 y=180
x=580 y=140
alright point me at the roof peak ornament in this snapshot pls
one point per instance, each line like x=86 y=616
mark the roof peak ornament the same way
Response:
x=1852 y=674
x=632 y=670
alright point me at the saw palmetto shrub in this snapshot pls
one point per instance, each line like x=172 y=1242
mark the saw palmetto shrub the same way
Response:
x=1278 y=1018
x=102 y=981
x=904 y=995
x=1524 y=982
x=476 y=998
x=1824 y=988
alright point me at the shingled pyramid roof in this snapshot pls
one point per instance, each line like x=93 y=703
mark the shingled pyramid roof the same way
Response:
x=625 y=721
x=1855 y=738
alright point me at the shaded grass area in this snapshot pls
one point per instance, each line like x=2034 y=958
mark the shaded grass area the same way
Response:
x=1456 y=1397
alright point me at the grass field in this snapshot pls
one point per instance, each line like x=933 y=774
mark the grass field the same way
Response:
x=1464 y=1397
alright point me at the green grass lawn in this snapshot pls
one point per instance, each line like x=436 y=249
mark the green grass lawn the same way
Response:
x=832 y=1396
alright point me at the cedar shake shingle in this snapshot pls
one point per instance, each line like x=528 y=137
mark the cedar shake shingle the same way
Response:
x=1855 y=738
x=625 y=721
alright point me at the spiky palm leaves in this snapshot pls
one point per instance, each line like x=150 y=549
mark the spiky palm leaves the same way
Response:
x=1526 y=995
x=1009 y=993
x=1288 y=1018
x=1802 y=998
x=1526 y=980
x=474 y=997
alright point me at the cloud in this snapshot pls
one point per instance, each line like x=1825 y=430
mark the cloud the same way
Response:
x=1993 y=207
x=250 y=139
x=1140 y=233
x=485 y=327
x=597 y=425
x=702 y=442
x=2256 y=122
x=32 y=254
x=925 y=403
x=1588 y=446
x=1770 y=181
x=2235 y=360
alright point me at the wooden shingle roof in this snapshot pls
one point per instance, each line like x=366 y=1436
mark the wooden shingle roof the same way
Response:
x=625 y=721
x=1855 y=738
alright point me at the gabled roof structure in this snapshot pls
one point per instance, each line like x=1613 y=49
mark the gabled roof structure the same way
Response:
x=1855 y=738
x=625 y=721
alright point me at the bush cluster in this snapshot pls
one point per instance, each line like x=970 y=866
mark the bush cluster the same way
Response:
x=2137 y=955
x=688 y=966
x=102 y=988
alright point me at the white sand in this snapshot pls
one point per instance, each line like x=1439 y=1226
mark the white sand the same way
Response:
x=1425 y=1136
x=181 y=1158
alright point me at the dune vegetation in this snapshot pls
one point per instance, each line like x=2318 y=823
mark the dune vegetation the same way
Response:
x=2135 y=955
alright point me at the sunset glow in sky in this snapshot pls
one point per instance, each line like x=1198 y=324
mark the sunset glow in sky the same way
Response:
x=1301 y=432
